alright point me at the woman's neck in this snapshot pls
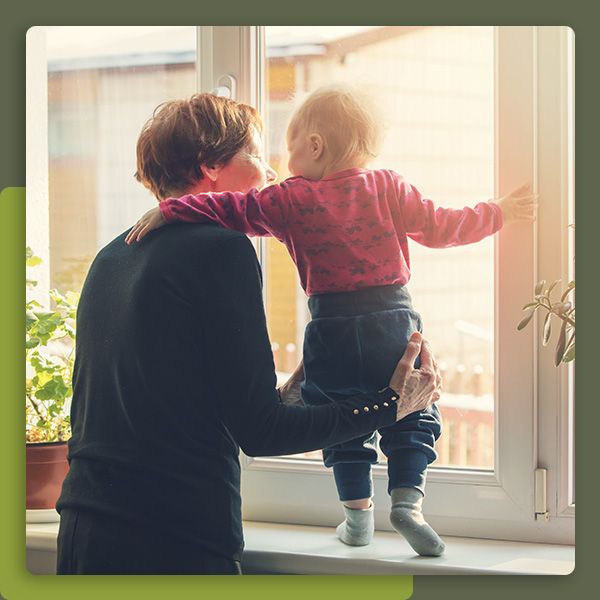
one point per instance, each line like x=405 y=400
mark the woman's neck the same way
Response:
x=204 y=186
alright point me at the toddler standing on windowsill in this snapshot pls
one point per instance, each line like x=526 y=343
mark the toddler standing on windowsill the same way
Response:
x=347 y=227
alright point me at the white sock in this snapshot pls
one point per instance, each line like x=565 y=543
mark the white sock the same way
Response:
x=407 y=519
x=358 y=527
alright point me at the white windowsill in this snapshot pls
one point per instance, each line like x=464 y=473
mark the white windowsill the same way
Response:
x=295 y=549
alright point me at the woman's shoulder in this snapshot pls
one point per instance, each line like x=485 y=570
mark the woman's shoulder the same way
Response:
x=195 y=239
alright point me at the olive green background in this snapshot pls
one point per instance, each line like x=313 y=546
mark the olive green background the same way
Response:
x=15 y=582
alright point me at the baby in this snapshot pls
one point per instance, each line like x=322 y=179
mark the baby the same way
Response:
x=347 y=227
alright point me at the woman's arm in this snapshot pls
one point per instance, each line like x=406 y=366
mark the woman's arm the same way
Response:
x=244 y=375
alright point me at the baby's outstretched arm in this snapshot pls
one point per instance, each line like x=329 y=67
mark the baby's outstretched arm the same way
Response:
x=255 y=213
x=519 y=205
x=153 y=219
x=446 y=227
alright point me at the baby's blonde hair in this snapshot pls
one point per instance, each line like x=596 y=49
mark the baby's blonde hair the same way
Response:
x=346 y=118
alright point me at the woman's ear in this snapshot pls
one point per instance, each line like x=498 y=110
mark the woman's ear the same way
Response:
x=316 y=145
x=211 y=173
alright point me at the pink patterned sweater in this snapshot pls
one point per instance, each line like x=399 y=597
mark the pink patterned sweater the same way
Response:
x=346 y=231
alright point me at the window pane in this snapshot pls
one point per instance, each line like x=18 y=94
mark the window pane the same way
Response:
x=435 y=85
x=103 y=84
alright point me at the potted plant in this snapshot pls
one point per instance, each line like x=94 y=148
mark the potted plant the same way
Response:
x=49 y=354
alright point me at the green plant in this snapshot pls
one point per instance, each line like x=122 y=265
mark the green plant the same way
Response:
x=49 y=355
x=563 y=310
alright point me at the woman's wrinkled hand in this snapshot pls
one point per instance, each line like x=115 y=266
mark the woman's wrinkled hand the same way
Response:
x=416 y=388
x=290 y=391
x=153 y=219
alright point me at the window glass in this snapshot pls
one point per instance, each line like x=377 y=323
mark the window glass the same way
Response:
x=103 y=84
x=435 y=86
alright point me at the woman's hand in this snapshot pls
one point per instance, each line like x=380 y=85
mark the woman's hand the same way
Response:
x=289 y=392
x=519 y=205
x=153 y=219
x=416 y=388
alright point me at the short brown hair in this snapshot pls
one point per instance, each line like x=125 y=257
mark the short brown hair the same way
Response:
x=347 y=118
x=184 y=134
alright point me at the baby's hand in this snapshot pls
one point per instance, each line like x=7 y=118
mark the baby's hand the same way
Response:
x=520 y=205
x=153 y=219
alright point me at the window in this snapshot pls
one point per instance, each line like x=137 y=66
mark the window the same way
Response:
x=439 y=107
x=102 y=85
x=479 y=493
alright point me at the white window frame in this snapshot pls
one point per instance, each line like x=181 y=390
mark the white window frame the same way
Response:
x=534 y=420
x=37 y=227
x=556 y=186
x=534 y=141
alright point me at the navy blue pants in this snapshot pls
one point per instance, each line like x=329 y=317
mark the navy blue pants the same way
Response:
x=351 y=346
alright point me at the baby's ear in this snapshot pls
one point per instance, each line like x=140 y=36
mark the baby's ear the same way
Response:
x=316 y=145
x=210 y=172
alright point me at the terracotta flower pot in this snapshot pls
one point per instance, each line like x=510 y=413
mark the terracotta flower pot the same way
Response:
x=46 y=467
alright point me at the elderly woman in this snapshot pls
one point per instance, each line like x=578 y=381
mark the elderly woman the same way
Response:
x=174 y=371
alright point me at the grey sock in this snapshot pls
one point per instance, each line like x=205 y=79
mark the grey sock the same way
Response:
x=407 y=519
x=358 y=528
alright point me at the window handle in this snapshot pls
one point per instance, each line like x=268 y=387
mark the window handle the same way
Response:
x=226 y=87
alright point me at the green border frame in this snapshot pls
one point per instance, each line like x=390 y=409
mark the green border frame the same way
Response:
x=15 y=581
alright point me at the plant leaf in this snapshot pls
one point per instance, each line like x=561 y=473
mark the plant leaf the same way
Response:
x=33 y=261
x=568 y=289
x=571 y=339
x=525 y=320
x=539 y=287
x=554 y=284
x=32 y=343
x=561 y=307
x=547 y=329
x=564 y=307
x=569 y=354
x=560 y=345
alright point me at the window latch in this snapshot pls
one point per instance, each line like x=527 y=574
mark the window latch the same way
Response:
x=540 y=490
x=226 y=87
